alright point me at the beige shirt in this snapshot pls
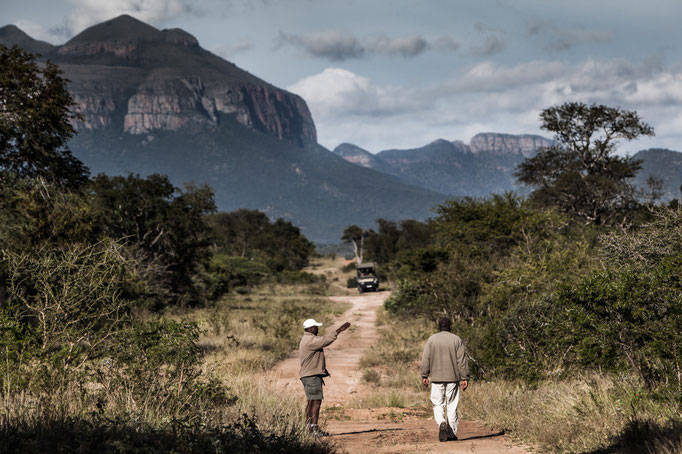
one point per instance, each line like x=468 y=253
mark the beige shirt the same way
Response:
x=444 y=358
x=312 y=354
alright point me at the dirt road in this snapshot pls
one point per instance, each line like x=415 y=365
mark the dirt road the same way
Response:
x=378 y=430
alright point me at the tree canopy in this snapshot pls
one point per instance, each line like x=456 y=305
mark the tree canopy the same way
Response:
x=580 y=174
x=35 y=120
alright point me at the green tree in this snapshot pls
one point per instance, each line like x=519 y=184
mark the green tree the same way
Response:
x=35 y=121
x=250 y=234
x=163 y=227
x=580 y=174
x=393 y=238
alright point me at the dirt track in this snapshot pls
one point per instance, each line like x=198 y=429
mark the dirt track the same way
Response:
x=379 y=430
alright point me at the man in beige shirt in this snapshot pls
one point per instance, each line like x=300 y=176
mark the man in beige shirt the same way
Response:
x=314 y=369
x=445 y=366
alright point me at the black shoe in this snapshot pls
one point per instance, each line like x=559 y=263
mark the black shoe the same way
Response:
x=443 y=432
x=317 y=432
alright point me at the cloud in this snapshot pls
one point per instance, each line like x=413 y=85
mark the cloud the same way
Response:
x=557 y=39
x=338 y=46
x=332 y=45
x=89 y=12
x=228 y=51
x=348 y=107
x=336 y=91
x=38 y=32
x=492 y=45
x=409 y=46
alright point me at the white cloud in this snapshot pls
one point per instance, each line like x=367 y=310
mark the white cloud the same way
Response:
x=37 y=31
x=338 y=92
x=488 y=97
x=89 y=12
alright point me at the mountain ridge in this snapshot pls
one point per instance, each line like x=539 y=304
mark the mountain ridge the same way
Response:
x=153 y=102
x=482 y=167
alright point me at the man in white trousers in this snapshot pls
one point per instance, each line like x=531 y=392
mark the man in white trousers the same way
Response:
x=445 y=366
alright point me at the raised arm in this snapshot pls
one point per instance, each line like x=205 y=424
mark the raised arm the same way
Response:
x=323 y=341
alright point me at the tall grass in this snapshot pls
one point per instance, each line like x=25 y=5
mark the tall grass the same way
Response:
x=591 y=413
x=243 y=336
x=584 y=414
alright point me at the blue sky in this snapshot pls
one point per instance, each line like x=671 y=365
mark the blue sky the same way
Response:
x=401 y=73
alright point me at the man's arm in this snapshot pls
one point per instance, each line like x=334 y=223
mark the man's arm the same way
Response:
x=463 y=365
x=342 y=328
x=322 y=341
x=425 y=368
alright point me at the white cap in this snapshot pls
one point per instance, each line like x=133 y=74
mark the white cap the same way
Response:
x=311 y=322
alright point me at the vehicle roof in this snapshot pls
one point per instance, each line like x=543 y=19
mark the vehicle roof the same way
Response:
x=365 y=265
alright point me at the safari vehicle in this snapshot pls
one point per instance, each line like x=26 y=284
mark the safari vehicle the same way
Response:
x=366 y=277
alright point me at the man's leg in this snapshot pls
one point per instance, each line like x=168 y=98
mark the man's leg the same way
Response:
x=452 y=399
x=438 y=401
x=314 y=411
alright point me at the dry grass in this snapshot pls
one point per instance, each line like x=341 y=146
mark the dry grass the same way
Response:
x=591 y=413
x=243 y=336
x=247 y=334
x=583 y=414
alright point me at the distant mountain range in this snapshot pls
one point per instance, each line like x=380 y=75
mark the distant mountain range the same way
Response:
x=663 y=164
x=488 y=163
x=154 y=101
x=483 y=167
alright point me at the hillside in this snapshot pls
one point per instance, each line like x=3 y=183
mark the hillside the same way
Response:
x=154 y=101
x=483 y=167
x=663 y=164
x=487 y=164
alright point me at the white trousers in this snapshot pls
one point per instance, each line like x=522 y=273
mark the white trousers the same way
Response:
x=445 y=395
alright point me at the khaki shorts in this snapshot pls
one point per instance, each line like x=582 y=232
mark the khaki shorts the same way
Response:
x=313 y=387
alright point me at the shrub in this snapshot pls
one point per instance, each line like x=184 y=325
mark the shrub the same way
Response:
x=299 y=277
x=65 y=308
x=630 y=318
x=226 y=272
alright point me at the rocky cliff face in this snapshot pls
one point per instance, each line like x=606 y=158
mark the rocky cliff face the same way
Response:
x=486 y=165
x=132 y=77
x=525 y=145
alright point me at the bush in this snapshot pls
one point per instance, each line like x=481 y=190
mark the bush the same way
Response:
x=126 y=434
x=348 y=268
x=630 y=319
x=299 y=277
x=226 y=272
x=65 y=308
x=352 y=282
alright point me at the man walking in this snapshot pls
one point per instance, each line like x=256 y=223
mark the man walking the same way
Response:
x=314 y=369
x=444 y=361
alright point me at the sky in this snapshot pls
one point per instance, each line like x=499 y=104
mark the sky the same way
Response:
x=385 y=74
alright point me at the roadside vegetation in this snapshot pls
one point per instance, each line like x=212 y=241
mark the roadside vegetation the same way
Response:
x=569 y=300
x=133 y=316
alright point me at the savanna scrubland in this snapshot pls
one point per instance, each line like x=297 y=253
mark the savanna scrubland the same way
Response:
x=136 y=318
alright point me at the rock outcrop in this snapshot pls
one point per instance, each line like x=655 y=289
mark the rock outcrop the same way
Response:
x=525 y=145
x=486 y=165
x=137 y=79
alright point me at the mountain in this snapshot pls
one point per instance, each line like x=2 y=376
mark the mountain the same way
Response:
x=487 y=164
x=483 y=167
x=11 y=35
x=154 y=101
x=664 y=164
